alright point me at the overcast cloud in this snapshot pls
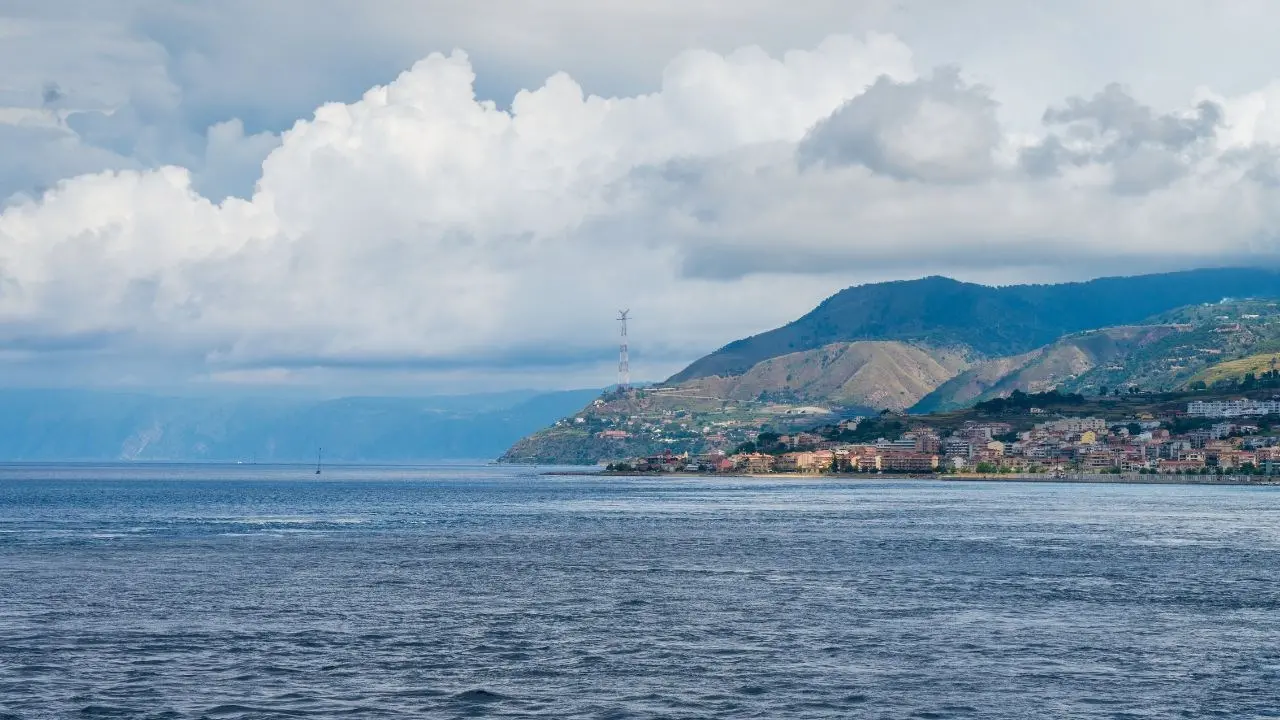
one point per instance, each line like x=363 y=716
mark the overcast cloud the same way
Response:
x=330 y=193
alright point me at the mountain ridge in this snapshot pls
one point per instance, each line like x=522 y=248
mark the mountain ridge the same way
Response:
x=1187 y=323
x=993 y=321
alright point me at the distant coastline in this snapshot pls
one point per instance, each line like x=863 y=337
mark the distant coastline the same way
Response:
x=1078 y=478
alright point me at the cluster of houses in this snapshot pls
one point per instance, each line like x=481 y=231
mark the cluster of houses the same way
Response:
x=1063 y=445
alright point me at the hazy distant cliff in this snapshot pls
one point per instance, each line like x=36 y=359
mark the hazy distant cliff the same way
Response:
x=63 y=425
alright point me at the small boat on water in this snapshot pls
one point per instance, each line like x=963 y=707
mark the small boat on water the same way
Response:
x=319 y=455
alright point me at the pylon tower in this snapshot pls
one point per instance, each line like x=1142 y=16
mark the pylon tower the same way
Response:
x=624 y=360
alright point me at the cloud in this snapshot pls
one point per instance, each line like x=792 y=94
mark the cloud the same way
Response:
x=936 y=129
x=51 y=93
x=424 y=228
x=169 y=70
x=38 y=154
x=232 y=160
x=419 y=221
x=1144 y=149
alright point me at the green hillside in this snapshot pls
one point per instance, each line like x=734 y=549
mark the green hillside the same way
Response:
x=1234 y=371
x=1172 y=351
x=1059 y=365
x=992 y=321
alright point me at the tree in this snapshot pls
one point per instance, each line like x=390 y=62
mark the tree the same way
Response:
x=1102 y=391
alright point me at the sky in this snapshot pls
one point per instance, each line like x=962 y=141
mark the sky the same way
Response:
x=458 y=195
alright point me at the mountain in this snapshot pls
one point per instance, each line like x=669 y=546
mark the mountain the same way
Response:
x=935 y=345
x=868 y=373
x=1054 y=366
x=991 y=321
x=1200 y=343
x=83 y=425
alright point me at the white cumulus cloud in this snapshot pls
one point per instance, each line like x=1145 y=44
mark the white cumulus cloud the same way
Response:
x=424 y=234
x=420 y=225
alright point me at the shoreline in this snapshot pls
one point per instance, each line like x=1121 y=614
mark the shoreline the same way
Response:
x=1077 y=479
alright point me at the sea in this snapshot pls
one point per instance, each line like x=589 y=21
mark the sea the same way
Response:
x=256 y=591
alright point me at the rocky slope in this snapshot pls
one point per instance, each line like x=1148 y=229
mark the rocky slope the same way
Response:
x=1056 y=366
x=866 y=374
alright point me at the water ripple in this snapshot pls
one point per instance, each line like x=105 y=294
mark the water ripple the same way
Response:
x=203 y=592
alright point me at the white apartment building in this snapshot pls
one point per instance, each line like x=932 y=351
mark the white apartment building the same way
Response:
x=1074 y=425
x=1232 y=408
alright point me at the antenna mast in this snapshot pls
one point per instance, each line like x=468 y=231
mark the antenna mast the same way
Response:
x=624 y=360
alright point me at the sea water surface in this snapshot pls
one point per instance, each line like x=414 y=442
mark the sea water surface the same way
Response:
x=266 y=592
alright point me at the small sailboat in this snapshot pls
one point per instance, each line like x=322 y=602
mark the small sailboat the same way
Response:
x=319 y=454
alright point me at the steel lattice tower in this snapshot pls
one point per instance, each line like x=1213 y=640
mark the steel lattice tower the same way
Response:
x=624 y=360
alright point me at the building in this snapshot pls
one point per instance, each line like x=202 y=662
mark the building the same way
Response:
x=1074 y=425
x=958 y=447
x=666 y=462
x=824 y=460
x=754 y=463
x=1173 y=467
x=1094 y=461
x=912 y=462
x=1233 y=459
x=795 y=462
x=928 y=443
x=1232 y=408
x=723 y=465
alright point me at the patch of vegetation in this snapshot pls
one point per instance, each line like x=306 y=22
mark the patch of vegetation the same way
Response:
x=1254 y=371
x=868 y=430
x=1021 y=401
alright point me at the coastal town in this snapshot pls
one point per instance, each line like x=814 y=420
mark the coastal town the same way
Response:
x=1208 y=438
